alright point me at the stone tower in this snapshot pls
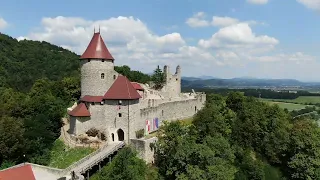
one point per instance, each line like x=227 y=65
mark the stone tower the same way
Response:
x=97 y=68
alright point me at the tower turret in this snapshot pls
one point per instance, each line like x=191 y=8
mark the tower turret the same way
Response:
x=97 y=68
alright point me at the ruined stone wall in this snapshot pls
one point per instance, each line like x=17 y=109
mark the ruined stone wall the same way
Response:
x=144 y=148
x=91 y=81
x=172 y=87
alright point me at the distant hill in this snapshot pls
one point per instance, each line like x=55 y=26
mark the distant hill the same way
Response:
x=244 y=82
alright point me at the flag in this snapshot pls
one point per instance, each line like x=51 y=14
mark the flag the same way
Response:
x=156 y=123
x=147 y=127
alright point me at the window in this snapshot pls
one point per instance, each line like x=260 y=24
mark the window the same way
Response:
x=92 y=103
x=120 y=114
x=114 y=76
x=177 y=79
x=102 y=75
x=102 y=60
x=162 y=113
x=120 y=102
x=89 y=60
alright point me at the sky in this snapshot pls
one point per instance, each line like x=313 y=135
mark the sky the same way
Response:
x=220 y=38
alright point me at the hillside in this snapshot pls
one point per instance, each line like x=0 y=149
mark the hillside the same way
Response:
x=22 y=62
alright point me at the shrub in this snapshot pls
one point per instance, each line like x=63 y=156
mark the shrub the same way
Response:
x=139 y=133
x=92 y=132
x=103 y=137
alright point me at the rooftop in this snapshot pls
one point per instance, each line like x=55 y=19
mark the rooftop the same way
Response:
x=122 y=89
x=80 y=111
x=97 y=49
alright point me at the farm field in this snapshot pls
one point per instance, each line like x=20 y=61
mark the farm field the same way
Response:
x=300 y=100
x=289 y=106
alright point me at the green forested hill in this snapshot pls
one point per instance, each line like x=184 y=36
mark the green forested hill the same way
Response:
x=22 y=62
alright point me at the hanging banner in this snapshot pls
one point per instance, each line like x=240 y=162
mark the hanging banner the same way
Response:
x=147 y=129
x=155 y=123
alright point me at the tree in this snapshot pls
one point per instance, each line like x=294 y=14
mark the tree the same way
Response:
x=11 y=139
x=304 y=154
x=125 y=166
x=158 y=78
x=179 y=156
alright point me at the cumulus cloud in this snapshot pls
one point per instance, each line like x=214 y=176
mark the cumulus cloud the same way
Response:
x=312 y=4
x=227 y=52
x=3 y=23
x=258 y=2
x=239 y=36
x=223 y=21
x=198 y=20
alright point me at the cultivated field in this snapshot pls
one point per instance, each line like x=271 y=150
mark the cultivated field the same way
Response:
x=289 y=106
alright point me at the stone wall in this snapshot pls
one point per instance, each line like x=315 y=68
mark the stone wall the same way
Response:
x=144 y=148
x=172 y=87
x=115 y=119
x=170 y=111
x=91 y=81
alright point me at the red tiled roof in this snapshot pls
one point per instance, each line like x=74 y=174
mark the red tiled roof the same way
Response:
x=23 y=172
x=137 y=86
x=97 y=49
x=122 y=89
x=88 y=98
x=80 y=111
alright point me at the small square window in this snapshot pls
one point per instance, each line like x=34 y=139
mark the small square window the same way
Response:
x=89 y=60
x=120 y=114
x=92 y=103
x=102 y=60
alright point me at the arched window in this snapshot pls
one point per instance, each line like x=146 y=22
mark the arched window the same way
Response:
x=114 y=76
x=112 y=136
x=102 y=75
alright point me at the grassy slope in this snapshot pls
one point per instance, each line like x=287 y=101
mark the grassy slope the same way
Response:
x=62 y=156
x=289 y=106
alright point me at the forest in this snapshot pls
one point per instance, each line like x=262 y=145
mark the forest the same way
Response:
x=38 y=81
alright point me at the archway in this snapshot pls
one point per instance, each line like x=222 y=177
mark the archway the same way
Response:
x=112 y=136
x=120 y=135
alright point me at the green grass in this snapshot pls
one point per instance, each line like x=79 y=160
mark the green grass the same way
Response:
x=300 y=100
x=289 y=106
x=62 y=156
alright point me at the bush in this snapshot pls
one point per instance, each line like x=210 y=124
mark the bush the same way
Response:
x=103 y=137
x=93 y=132
x=139 y=133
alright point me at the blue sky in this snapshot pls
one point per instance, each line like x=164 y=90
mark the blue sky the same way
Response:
x=229 y=38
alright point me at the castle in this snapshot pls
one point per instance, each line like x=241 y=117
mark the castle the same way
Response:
x=119 y=108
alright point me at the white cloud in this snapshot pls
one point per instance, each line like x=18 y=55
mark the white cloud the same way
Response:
x=312 y=4
x=3 y=23
x=227 y=53
x=238 y=36
x=198 y=20
x=259 y=2
x=223 y=21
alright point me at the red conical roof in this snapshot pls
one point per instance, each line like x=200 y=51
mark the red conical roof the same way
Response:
x=122 y=89
x=97 y=49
